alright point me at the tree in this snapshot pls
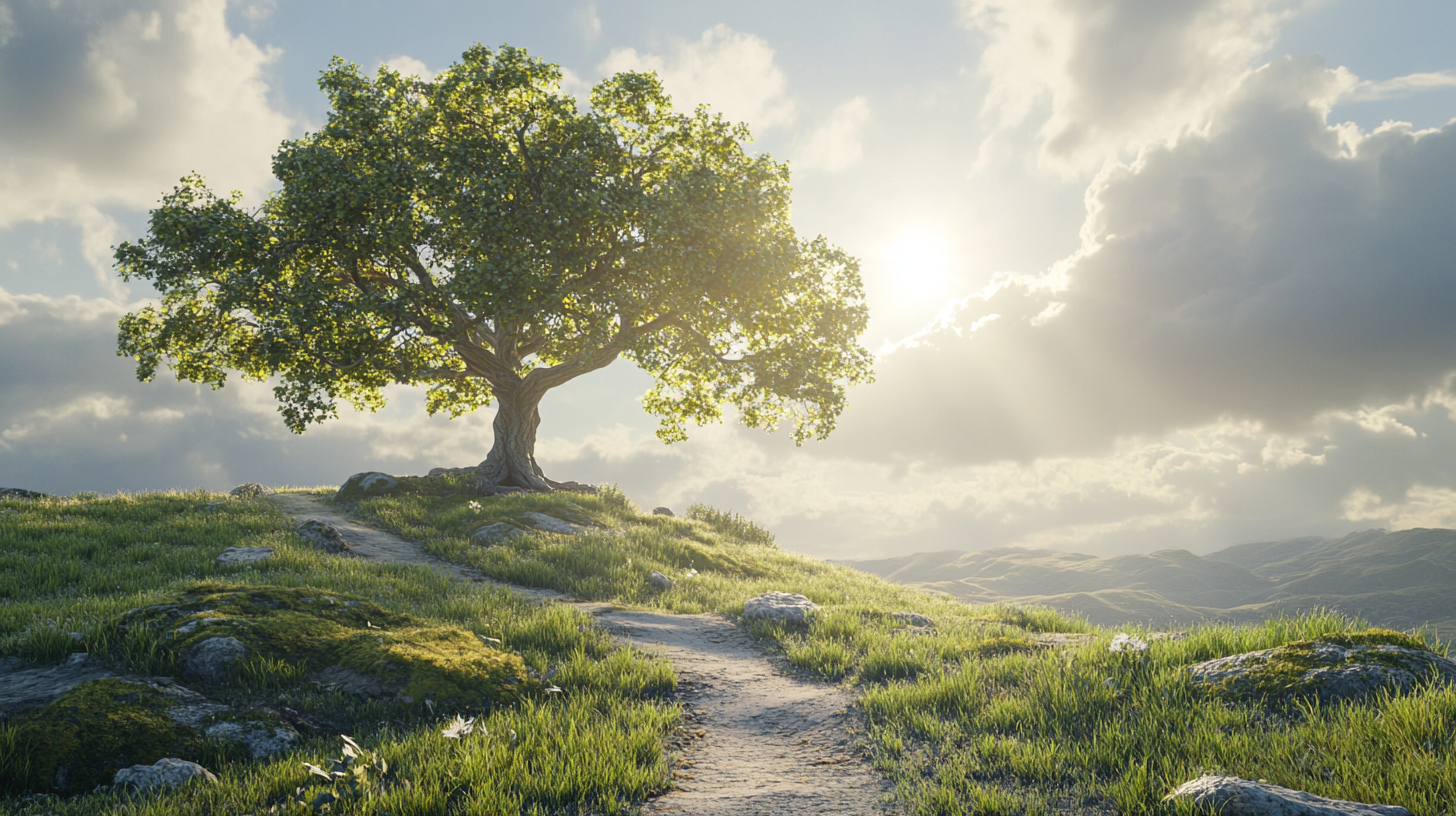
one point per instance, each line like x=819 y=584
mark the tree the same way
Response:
x=479 y=235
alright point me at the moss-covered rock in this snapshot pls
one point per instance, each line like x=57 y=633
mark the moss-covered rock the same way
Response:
x=82 y=738
x=1333 y=668
x=99 y=727
x=302 y=632
x=372 y=484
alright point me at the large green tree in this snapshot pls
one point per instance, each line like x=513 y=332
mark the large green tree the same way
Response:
x=480 y=235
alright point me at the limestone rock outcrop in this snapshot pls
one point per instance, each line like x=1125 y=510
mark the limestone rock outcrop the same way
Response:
x=659 y=581
x=1324 y=670
x=212 y=660
x=249 y=490
x=244 y=555
x=779 y=606
x=164 y=773
x=1232 y=795
x=364 y=485
x=322 y=535
x=913 y=619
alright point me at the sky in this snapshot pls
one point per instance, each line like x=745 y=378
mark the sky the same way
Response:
x=1142 y=274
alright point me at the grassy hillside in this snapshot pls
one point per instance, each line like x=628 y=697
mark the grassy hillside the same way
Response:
x=1400 y=580
x=976 y=714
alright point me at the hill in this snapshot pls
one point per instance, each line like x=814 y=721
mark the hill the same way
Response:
x=1397 y=579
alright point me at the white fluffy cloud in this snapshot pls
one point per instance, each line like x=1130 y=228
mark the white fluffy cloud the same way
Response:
x=1107 y=76
x=731 y=71
x=1269 y=269
x=108 y=104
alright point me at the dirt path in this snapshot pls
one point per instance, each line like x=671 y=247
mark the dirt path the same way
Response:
x=770 y=743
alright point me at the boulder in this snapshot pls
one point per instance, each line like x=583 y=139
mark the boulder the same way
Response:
x=659 y=581
x=19 y=493
x=244 y=555
x=249 y=490
x=1232 y=795
x=1328 y=671
x=364 y=485
x=324 y=536
x=551 y=524
x=779 y=606
x=663 y=511
x=211 y=660
x=261 y=739
x=165 y=772
x=497 y=533
x=913 y=619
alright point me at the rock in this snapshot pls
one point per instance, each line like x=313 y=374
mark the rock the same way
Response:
x=324 y=536
x=22 y=689
x=779 y=606
x=249 y=490
x=362 y=485
x=1232 y=795
x=659 y=581
x=498 y=533
x=349 y=681
x=165 y=772
x=913 y=619
x=244 y=555
x=261 y=739
x=19 y=493
x=663 y=511
x=442 y=471
x=211 y=660
x=551 y=524
x=1327 y=671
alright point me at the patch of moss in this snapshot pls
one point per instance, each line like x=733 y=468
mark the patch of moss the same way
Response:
x=86 y=735
x=303 y=630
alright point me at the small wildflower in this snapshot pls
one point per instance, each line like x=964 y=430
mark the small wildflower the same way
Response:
x=458 y=727
x=691 y=573
x=475 y=505
x=1123 y=642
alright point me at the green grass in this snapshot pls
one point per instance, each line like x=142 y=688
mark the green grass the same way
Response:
x=976 y=715
x=79 y=564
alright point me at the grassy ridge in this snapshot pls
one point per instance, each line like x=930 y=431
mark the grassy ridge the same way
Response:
x=976 y=715
x=76 y=565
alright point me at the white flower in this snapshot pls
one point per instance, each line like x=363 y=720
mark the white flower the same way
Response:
x=1123 y=642
x=475 y=505
x=458 y=728
x=691 y=573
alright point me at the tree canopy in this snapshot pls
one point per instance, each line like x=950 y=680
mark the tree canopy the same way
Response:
x=482 y=236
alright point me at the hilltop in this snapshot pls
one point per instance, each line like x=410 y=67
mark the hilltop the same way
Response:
x=1400 y=580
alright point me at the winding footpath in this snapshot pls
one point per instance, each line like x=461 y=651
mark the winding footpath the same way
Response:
x=756 y=740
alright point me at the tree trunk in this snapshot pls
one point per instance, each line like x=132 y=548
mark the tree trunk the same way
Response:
x=512 y=459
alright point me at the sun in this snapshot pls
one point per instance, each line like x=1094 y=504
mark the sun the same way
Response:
x=918 y=263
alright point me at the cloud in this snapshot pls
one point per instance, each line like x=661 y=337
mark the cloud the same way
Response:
x=1408 y=85
x=409 y=66
x=1268 y=269
x=732 y=72
x=109 y=104
x=1105 y=77
x=1423 y=506
x=837 y=144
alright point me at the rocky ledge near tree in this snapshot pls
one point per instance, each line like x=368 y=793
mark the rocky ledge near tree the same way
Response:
x=1335 y=668
x=1232 y=795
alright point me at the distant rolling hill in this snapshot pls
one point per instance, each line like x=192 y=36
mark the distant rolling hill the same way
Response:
x=1402 y=580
